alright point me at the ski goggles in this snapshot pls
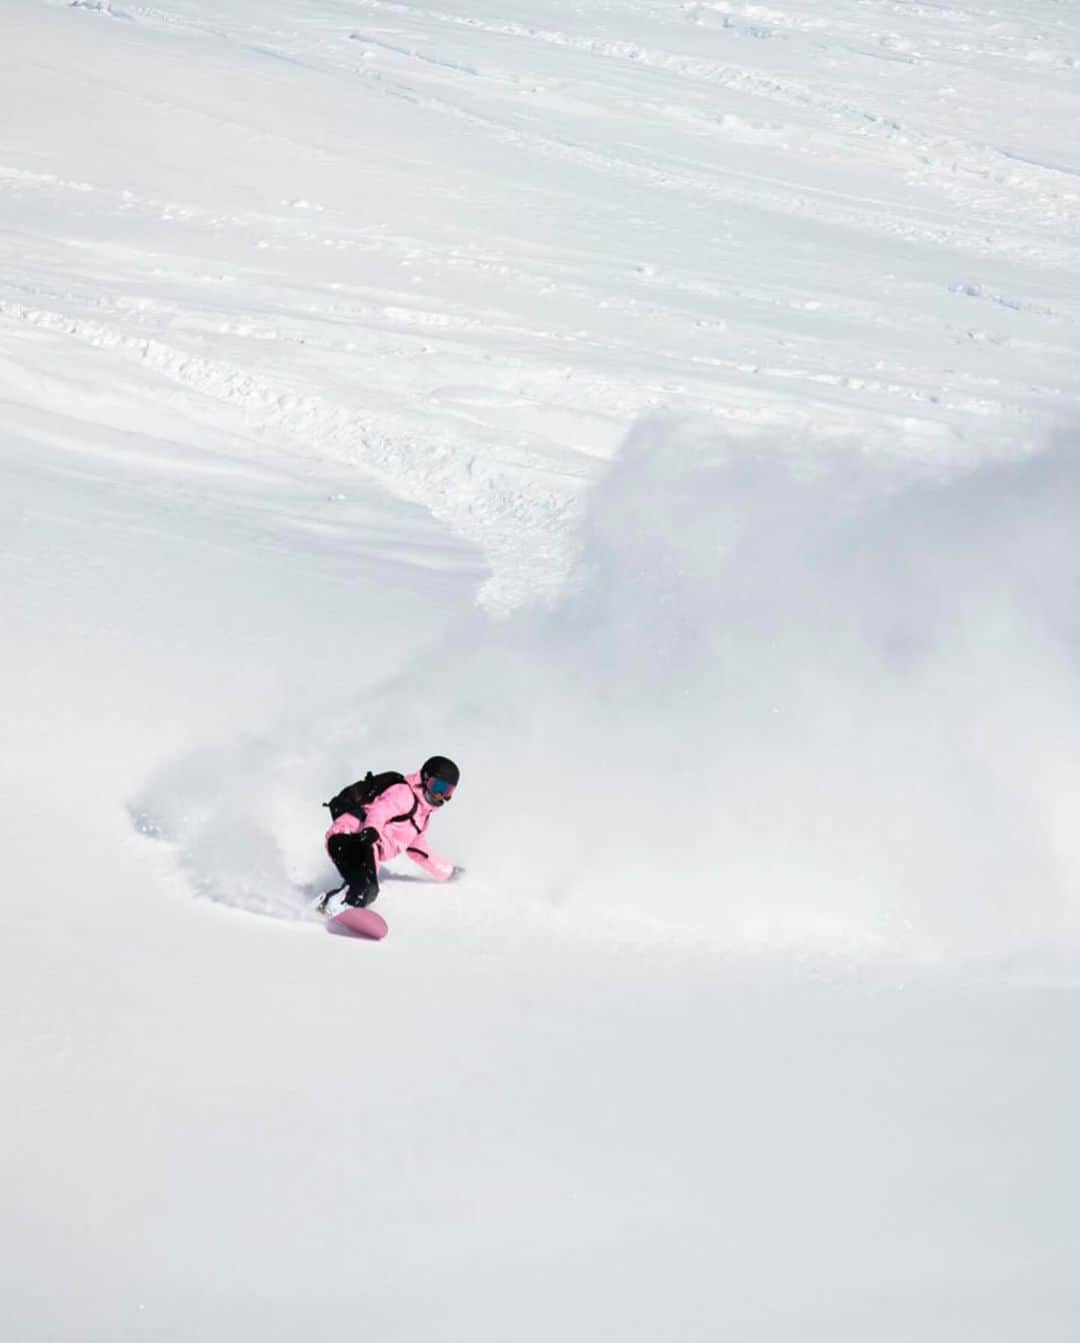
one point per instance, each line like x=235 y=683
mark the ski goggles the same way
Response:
x=440 y=788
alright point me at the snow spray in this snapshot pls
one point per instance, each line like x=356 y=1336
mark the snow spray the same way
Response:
x=824 y=703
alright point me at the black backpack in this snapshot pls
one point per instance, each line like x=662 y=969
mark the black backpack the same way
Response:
x=356 y=797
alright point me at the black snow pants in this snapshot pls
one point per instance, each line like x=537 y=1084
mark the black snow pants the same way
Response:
x=354 y=858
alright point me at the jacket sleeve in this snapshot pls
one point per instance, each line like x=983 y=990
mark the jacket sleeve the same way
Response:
x=439 y=867
x=396 y=801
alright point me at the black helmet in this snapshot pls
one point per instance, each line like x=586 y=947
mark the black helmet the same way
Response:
x=438 y=767
x=439 y=777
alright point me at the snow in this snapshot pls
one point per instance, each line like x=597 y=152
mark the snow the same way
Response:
x=668 y=411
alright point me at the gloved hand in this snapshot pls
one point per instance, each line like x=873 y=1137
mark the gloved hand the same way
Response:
x=369 y=835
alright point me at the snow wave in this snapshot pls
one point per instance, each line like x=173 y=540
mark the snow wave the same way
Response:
x=787 y=702
x=818 y=704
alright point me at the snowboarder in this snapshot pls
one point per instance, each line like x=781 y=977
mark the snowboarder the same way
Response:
x=394 y=821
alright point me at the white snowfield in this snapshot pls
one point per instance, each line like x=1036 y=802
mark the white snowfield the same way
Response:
x=668 y=410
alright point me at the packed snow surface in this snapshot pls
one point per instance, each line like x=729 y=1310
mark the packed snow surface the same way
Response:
x=668 y=411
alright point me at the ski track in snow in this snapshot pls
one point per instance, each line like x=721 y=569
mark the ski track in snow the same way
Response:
x=714 y=82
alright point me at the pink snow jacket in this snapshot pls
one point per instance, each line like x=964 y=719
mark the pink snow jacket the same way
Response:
x=405 y=836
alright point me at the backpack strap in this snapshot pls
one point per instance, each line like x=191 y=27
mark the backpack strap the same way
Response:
x=408 y=815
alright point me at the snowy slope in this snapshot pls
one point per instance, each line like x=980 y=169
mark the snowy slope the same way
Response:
x=665 y=409
x=469 y=247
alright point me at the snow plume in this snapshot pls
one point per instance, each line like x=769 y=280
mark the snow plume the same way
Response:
x=233 y=816
x=818 y=704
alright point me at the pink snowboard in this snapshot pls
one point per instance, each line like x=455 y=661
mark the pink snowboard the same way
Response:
x=358 y=923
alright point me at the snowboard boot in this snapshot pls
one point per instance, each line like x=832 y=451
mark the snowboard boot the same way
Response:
x=347 y=897
x=323 y=900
